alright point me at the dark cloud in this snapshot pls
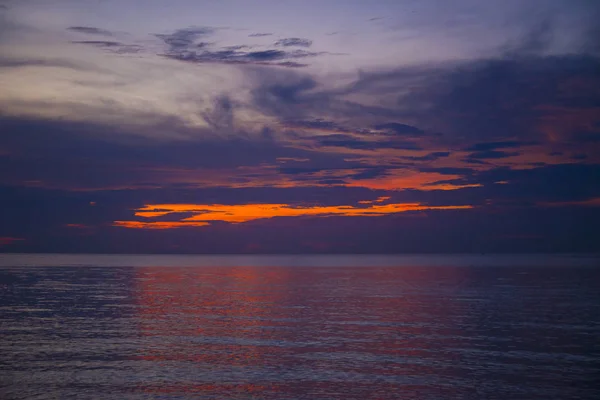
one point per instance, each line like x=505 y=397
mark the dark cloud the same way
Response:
x=260 y=34
x=496 y=145
x=325 y=125
x=521 y=99
x=291 y=64
x=296 y=42
x=41 y=62
x=429 y=157
x=492 y=154
x=399 y=129
x=285 y=95
x=548 y=183
x=351 y=142
x=185 y=38
x=184 y=45
x=267 y=55
x=99 y=43
x=79 y=155
x=234 y=55
x=202 y=45
x=113 y=46
x=236 y=47
x=90 y=30
x=370 y=173
x=315 y=124
x=447 y=170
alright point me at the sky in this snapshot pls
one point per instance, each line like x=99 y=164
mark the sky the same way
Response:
x=280 y=126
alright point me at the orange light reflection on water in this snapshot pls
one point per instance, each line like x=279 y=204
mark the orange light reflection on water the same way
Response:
x=312 y=320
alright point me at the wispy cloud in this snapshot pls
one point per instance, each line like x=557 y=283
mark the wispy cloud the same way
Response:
x=112 y=46
x=399 y=129
x=185 y=45
x=185 y=38
x=90 y=30
x=295 y=42
x=237 y=56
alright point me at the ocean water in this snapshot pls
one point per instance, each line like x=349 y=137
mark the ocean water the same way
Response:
x=299 y=327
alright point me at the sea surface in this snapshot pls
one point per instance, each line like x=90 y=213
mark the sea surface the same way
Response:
x=299 y=327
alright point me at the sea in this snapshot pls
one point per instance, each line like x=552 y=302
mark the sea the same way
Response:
x=299 y=327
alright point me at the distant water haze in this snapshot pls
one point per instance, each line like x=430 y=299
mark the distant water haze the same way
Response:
x=300 y=260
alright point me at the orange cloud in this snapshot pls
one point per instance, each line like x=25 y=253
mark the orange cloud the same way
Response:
x=235 y=214
x=397 y=180
x=157 y=225
x=77 y=226
x=379 y=200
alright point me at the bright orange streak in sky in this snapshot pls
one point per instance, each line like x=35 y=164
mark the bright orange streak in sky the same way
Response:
x=235 y=214
x=157 y=225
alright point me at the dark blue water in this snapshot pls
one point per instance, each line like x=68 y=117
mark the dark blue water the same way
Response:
x=125 y=327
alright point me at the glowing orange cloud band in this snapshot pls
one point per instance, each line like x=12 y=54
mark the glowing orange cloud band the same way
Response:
x=235 y=214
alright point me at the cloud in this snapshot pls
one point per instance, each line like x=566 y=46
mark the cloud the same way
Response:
x=202 y=45
x=290 y=64
x=428 y=157
x=322 y=125
x=296 y=42
x=260 y=34
x=521 y=99
x=185 y=38
x=100 y=43
x=42 y=62
x=399 y=129
x=183 y=45
x=486 y=146
x=90 y=30
x=234 y=55
x=269 y=55
x=462 y=107
x=501 y=210
x=205 y=214
x=50 y=151
x=538 y=184
x=370 y=173
x=113 y=46
x=287 y=96
x=492 y=154
x=351 y=142
x=221 y=116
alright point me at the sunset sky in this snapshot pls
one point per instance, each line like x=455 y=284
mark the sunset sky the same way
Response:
x=280 y=126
